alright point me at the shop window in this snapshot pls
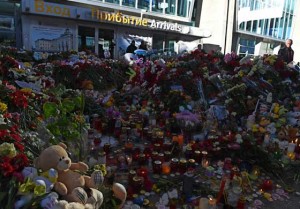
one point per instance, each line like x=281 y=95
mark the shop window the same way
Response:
x=182 y=8
x=86 y=38
x=113 y=1
x=130 y=3
x=106 y=43
x=157 y=5
x=170 y=7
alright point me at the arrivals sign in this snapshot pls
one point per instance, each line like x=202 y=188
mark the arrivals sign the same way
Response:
x=66 y=11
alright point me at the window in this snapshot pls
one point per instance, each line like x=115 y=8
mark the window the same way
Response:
x=86 y=38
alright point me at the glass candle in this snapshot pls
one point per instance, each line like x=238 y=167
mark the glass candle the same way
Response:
x=166 y=169
x=291 y=147
x=188 y=153
x=147 y=152
x=137 y=183
x=157 y=167
x=197 y=156
x=212 y=202
x=167 y=146
x=174 y=165
x=291 y=155
x=191 y=164
x=135 y=154
x=161 y=157
x=131 y=174
x=128 y=160
x=143 y=172
x=157 y=147
x=167 y=155
x=255 y=173
x=182 y=166
x=180 y=139
x=142 y=159
x=267 y=185
x=205 y=162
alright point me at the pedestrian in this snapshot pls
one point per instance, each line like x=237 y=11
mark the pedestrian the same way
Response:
x=131 y=48
x=143 y=45
x=101 y=51
x=287 y=53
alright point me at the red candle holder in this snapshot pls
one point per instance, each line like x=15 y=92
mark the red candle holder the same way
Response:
x=157 y=167
x=188 y=153
x=267 y=185
x=174 y=165
x=131 y=174
x=147 y=152
x=197 y=156
x=168 y=156
x=182 y=166
x=142 y=159
x=167 y=146
x=143 y=172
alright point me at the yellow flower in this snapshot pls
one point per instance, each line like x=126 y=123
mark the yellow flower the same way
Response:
x=8 y=149
x=3 y=107
x=102 y=168
x=26 y=90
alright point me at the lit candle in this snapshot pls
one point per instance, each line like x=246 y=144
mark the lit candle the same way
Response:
x=203 y=203
x=291 y=155
x=254 y=174
x=205 y=163
x=166 y=169
x=180 y=139
x=291 y=147
x=212 y=202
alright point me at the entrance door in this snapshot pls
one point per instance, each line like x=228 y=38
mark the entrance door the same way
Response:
x=106 y=43
x=86 y=38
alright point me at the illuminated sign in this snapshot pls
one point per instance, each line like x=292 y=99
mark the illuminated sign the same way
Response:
x=67 y=11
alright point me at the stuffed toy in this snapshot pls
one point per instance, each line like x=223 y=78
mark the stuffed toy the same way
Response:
x=71 y=184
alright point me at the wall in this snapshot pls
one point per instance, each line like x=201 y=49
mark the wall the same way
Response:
x=214 y=19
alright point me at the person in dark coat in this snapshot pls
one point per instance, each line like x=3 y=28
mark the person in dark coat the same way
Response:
x=287 y=53
x=143 y=45
x=131 y=48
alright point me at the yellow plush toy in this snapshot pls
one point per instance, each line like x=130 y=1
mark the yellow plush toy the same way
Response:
x=71 y=184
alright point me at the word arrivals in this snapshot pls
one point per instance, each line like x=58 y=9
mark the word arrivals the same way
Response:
x=165 y=25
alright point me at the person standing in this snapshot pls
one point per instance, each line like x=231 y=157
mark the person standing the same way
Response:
x=287 y=53
x=131 y=48
x=143 y=45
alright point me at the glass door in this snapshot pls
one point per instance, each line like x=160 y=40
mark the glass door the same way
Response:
x=86 y=39
x=106 y=43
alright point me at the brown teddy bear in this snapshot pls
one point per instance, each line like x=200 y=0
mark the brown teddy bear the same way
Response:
x=71 y=184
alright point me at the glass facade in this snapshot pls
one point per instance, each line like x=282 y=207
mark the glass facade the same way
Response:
x=8 y=22
x=180 y=8
x=267 y=18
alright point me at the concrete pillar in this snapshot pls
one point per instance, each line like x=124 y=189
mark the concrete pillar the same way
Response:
x=295 y=36
x=214 y=15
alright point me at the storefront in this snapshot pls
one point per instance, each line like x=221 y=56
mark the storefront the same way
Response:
x=10 y=27
x=51 y=27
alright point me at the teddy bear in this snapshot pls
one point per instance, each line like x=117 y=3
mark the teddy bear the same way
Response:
x=71 y=184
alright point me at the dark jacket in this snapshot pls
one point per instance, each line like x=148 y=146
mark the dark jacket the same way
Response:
x=286 y=54
x=131 y=48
